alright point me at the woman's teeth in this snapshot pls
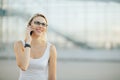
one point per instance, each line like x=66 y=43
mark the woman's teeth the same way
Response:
x=38 y=30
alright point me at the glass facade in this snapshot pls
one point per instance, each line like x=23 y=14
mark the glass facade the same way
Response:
x=94 y=24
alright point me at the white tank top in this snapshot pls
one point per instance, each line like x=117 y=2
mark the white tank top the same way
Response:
x=38 y=68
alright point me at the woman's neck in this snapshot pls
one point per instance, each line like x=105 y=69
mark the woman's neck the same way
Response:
x=38 y=40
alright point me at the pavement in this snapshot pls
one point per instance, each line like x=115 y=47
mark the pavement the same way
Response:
x=72 y=64
x=69 y=70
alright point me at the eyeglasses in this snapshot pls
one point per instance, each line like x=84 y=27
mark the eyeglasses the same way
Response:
x=39 y=23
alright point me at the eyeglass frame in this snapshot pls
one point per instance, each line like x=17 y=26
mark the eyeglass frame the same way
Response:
x=40 y=23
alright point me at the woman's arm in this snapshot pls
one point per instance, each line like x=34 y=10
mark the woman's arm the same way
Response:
x=52 y=63
x=22 y=55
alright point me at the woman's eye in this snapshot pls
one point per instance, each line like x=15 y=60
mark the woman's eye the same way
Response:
x=43 y=24
x=38 y=23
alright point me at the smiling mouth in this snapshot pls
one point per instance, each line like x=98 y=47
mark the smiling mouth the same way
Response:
x=38 y=30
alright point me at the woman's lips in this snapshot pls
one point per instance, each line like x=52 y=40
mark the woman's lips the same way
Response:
x=38 y=30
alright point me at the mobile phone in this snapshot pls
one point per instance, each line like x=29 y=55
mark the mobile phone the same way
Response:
x=31 y=32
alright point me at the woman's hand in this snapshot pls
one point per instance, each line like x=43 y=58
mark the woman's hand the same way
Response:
x=28 y=37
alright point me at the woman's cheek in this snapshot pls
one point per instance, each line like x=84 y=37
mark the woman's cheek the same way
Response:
x=42 y=29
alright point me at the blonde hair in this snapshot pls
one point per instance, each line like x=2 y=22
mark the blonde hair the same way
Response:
x=36 y=15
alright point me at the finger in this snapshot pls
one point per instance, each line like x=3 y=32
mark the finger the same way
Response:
x=28 y=29
x=31 y=28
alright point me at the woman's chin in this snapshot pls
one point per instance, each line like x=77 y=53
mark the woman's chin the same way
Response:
x=38 y=34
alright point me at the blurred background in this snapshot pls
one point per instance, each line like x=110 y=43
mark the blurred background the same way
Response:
x=86 y=34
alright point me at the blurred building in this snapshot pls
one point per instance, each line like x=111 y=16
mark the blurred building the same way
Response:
x=84 y=23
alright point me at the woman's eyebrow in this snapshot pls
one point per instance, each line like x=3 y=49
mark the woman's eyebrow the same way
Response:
x=40 y=21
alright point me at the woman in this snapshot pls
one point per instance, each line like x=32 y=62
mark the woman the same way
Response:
x=35 y=56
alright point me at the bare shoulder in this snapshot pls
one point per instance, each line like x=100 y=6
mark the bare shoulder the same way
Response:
x=52 y=50
x=52 y=47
